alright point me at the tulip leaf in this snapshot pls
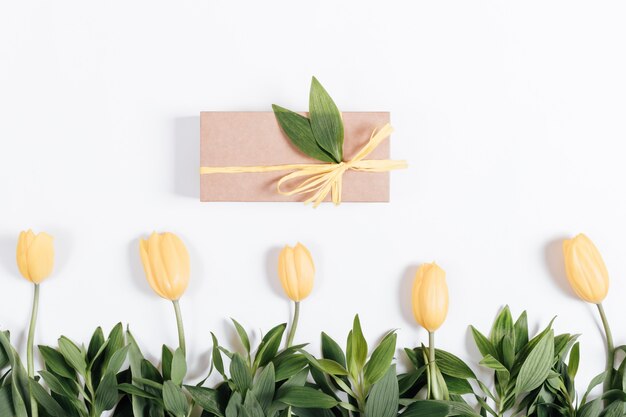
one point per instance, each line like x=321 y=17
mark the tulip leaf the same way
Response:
x=326 y=122
x=536 y=367
x=298 y=130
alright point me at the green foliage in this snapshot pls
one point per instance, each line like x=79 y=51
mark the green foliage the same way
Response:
x=320 y=135
x=521 y=366
x=368 y=380
x=84 y=381
x=268 y=382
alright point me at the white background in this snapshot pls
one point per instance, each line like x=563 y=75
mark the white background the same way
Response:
x=511 y=115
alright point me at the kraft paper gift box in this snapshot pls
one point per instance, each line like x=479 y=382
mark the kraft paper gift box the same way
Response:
x=236 y=139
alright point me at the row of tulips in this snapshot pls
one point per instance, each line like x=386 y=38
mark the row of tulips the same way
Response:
x=533 y=375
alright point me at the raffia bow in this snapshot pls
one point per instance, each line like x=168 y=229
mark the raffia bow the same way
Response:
x=322 y=179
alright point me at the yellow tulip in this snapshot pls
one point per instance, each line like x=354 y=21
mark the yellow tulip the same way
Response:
x=296 y=271
x=585 y=269
x=166 y=264
x=35 y=256
x=430 y=296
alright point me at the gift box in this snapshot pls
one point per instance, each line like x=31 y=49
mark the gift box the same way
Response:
x=231 y=140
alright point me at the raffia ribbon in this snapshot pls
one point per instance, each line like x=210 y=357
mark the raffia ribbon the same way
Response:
x=321 y=179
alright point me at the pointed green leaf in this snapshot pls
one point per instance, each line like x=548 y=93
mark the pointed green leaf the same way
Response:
x=243 y=336
x=380 y=360
x=306 y=397
x=383 y=399
x=537 y=365
x=298 y=130
x=326 y=121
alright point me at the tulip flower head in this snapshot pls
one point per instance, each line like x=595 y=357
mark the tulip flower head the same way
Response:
x=35 y=256
x=586 y=271
x=296 y=271
x=430 y=296
x=166 y=264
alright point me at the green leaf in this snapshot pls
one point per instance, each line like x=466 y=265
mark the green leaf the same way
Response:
x=166 y=362
x=574 y=359
x=537 y=365
x=427 y=408
x=115 y=342
x=117 y=359
x=240 y=373
x=206 y=398
x=179 y=367
x=106 y=394
x=217 y=356
x=357 y=348
x=306 y=397
x=96 y=342
x=326 y=122
x=45 y=400
x=492 y=363
x=483 y=344
x=298 y=130
x=502 y=326
x=252 y=407
x=380 y=360
x=383 y=398
x=264 y=386
x=331 y=350
x=330 y=367
x=269 y=346
x=243 y=336
x=521 y=331
x=55 y=363
x=289 y=366
x=72 y=355
x=60 y=385
x=174 y=400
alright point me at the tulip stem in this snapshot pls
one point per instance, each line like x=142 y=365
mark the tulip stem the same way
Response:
x=431 y=367
x=29 y=348
x=181 y=329
x=294 y=324
x=610 y=350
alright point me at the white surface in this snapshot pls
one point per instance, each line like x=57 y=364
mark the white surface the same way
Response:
x=511 y=115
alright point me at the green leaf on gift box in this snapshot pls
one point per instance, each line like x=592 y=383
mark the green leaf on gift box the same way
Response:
x=298 y=130
x=326 y=121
